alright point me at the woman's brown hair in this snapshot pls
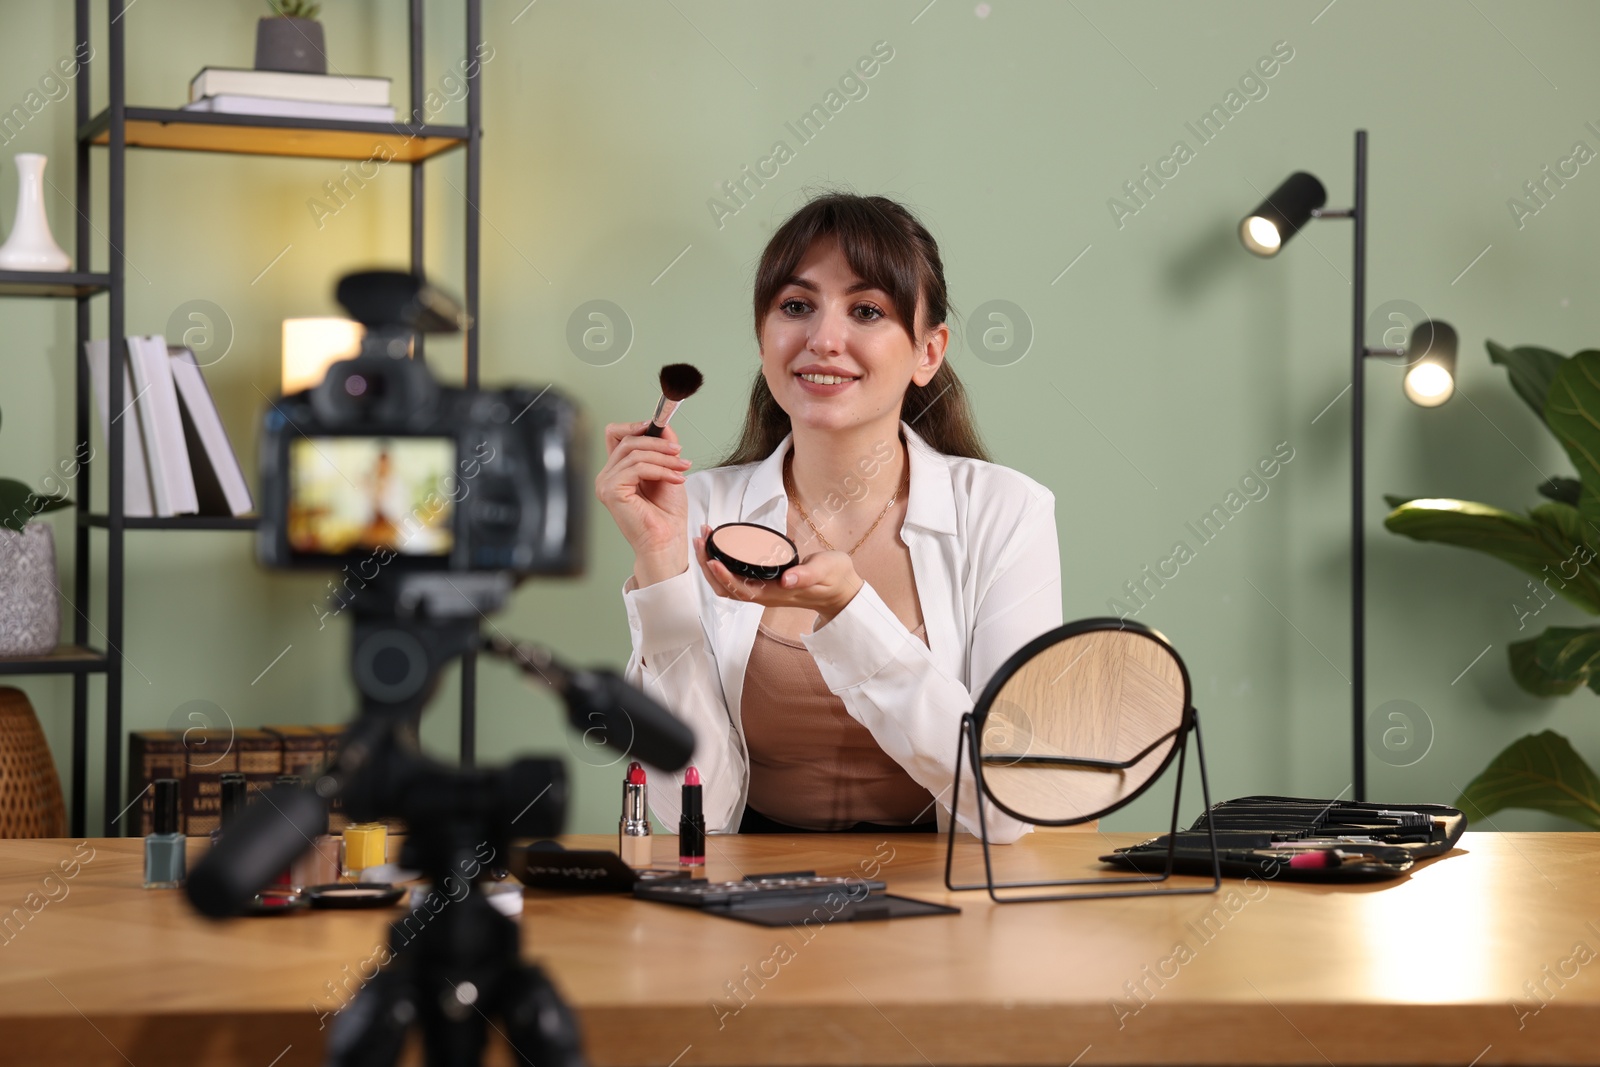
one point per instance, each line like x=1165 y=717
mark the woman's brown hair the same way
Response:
x=889 y=249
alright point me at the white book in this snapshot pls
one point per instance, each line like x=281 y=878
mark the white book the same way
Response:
x=136 y=501
x=287 y=85
x=216 y=466
x=171 y=480
x=232 y=104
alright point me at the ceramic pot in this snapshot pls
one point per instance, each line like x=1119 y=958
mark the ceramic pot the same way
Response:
x=30 y=607
x=30 y=246
x=290 y=44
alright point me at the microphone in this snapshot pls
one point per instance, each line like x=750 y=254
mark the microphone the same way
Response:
x=261 y=842
x=599 y=702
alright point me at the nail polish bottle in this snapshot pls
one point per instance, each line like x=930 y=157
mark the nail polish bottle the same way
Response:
x=164 y=849
x=321 y=865
x=365 y=845
x=234 y=790
x=285 y=877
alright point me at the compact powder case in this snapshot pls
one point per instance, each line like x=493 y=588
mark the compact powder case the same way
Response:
x=751 y=550
x=347 y=895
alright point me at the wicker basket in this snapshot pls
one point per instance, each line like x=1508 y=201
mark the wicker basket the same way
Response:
x=30 y=793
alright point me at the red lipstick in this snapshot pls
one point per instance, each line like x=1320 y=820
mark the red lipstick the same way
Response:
x=633 y=832
x=691 y=823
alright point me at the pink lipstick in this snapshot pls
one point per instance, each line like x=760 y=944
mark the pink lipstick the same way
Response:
x=692 y=823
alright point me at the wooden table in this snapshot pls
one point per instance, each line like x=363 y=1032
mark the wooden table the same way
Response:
x=1488 y=956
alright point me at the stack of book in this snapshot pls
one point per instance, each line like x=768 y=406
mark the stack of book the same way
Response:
x=288 y=95
x=198 y=758
x=177 y=459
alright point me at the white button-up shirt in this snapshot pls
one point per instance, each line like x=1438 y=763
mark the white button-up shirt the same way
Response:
x=987 y=568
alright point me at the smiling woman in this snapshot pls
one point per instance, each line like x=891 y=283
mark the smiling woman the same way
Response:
x=828 y=698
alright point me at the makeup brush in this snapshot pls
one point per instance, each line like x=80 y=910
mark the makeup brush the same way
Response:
x=678 y=383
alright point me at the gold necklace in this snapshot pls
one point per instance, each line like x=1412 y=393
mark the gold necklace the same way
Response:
x=794 y=498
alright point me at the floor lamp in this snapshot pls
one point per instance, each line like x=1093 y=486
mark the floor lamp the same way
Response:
x=1430 y=361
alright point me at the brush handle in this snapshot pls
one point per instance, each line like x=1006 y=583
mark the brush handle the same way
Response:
x=658 y=421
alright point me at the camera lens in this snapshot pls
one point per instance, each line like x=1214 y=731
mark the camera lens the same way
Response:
x=355 y=385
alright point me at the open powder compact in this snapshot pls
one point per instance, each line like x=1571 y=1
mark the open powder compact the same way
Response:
x=751 y=550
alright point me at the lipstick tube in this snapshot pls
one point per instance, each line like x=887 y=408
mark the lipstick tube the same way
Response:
x=692 y=823
x=633 y=832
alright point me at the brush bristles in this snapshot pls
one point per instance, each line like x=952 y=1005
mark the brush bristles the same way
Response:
x=679 y=381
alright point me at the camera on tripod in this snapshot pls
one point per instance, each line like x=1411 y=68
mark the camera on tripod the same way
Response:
x=381 y=467
x=442 y=499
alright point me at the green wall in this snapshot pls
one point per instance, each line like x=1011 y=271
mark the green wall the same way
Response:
x=1163 y=365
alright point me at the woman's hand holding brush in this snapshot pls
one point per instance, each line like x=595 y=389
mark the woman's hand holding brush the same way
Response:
x=642 y=486
x=641 y=483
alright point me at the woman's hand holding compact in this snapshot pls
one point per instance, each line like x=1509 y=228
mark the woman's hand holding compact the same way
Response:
x=824 y=582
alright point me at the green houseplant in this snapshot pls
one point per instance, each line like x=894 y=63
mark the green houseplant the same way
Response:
x=1558 y=544
x=30 y=610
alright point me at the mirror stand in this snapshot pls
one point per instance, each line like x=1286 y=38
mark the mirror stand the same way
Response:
x=1148 y=884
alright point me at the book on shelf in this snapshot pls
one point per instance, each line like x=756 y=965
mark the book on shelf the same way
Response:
x=218 y=479
x=286 y=85
x=234 y=104
x=136 y=499
x=199 y=757
x=171 y=477
x=178 y=458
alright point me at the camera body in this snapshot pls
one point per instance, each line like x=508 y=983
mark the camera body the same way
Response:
x=379 y=467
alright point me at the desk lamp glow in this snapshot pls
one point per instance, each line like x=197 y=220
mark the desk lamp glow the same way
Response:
x=311 y=345
x=1430 y=361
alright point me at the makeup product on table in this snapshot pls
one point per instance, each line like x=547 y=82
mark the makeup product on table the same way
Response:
x=750 y=550
x=323 y=864
x=547 y=865
x=1303 y=839
x=234 y=789
x=344 y=895
x=790 y=898
x=679 y=381
x=633 y=832
x=285 y=877
x=365 y=845
x=164 y=848
x=691 y=823
x=275 y=900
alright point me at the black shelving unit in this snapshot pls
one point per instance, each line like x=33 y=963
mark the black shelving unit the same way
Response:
x=118 y=128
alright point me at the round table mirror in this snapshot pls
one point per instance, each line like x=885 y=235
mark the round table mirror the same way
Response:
x=1080 y=721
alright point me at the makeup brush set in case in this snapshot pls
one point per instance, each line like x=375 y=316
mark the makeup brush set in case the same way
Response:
x=1301 y=839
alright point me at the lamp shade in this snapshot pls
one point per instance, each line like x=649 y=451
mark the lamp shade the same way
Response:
x=1431 y=364
x=1279 y=217
x=310 y=345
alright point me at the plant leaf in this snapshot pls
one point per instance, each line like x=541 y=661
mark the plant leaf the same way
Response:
x=1528 y=674
x=1394 y=500
x=1531 y=370
x=1566 y=490
x=1546 y=544
x=18 y=504
x=1572 y=411
x=1569 y=654
x=1541 y=772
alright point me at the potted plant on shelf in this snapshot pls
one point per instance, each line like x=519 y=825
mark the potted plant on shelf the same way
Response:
x=1557 y=543
x=291 y=39
x=30 y=611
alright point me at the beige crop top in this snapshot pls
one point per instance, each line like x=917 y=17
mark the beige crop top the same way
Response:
x=811 y=764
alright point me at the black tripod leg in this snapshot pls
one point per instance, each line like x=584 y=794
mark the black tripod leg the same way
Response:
x=541 y=1028
x=371 y=1032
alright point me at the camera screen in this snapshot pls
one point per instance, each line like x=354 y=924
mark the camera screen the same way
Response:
x=350 y=494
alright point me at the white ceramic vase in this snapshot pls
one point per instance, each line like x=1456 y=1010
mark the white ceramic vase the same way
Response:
x=30 y=246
